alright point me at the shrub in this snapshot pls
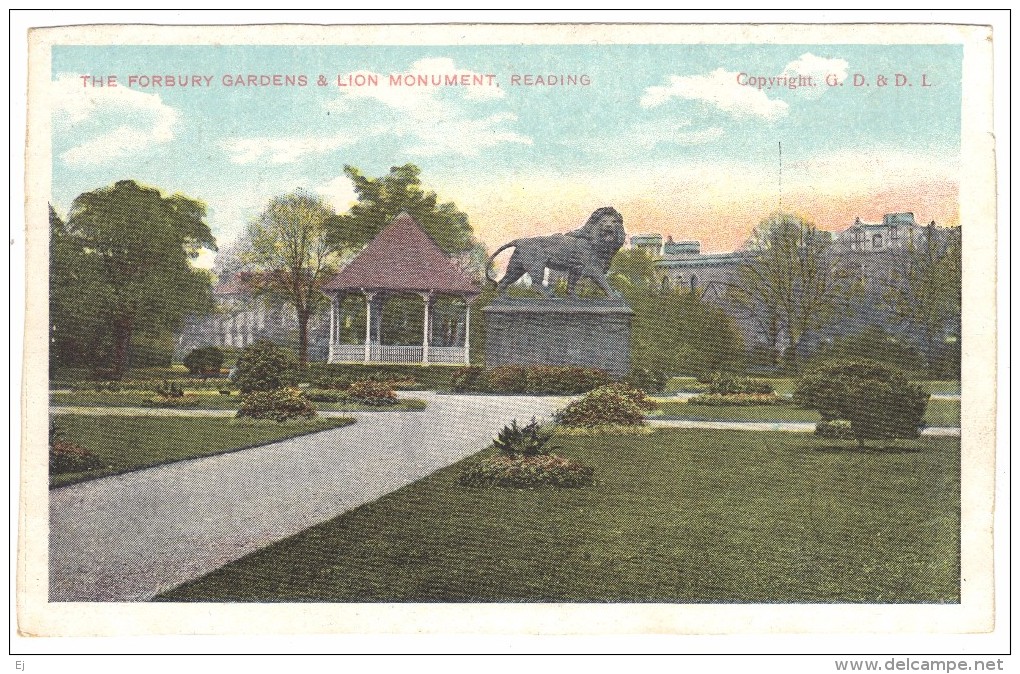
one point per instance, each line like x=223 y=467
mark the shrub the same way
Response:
x=326 y=396
x=471 y=378
x=369 y=392
x=511 y=471
x=529 y=440
x=616 y=404
x=507 y=379
x=728 y=384
x=264 y=366
x=877 y=400
x=647 y=380
x=533 y=379
x=563 y=379
x=169 y=389
x=430 y=377
x=68 y=457
x=280 y=405
x=837 y=429
x=720 y=400
x=204 y=360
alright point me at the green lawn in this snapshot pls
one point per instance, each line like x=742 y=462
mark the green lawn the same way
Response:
x=125 y=443
x=676 y=516
x=206 y=400
x=940 y=412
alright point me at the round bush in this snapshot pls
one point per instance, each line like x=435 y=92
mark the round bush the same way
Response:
x=279 y=405
x=613 y=404
x=205 y=360
x=264 y=366
x=878 y=401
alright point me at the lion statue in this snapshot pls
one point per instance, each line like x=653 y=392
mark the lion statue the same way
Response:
x=582 y=253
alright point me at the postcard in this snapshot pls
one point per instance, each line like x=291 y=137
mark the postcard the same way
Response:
x=493 y=329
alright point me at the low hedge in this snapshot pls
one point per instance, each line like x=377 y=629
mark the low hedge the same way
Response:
x=409 y=377
x=533 y=379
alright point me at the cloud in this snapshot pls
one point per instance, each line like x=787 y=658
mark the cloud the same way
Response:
x=433 y=117
x=650 y=134
x=94 y=119
x=720 y=89
x=817 y=68
x=460 y=135
x=339 y=192
x=283 y=150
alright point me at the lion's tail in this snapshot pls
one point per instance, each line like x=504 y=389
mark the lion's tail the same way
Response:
x=488 y=265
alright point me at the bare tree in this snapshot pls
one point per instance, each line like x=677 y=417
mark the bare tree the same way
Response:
x=925 y=288
x=790 y=279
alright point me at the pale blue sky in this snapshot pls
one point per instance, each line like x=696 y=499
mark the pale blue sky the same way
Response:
x=665 y=131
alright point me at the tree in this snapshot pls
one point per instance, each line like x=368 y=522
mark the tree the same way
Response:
x=123 y=258
x=287 y=247
x=925 y=291
x=790 y=280
x=382 y=199
x=678 y=333
x=878 y=401
x=635 y=267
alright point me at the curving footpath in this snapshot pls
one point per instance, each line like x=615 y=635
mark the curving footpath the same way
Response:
x=130 y=537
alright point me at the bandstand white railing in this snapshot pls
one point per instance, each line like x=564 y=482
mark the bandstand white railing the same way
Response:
x=385 y=353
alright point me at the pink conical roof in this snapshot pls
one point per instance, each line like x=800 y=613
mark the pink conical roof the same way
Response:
x=403 y=257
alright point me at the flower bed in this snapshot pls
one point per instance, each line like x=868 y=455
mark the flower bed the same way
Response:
x=524 y=471
x=723 y=399
x=610 y=405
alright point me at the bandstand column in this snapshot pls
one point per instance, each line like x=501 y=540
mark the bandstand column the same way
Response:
x=426 y=329
x=369 y=296
x=467 y=332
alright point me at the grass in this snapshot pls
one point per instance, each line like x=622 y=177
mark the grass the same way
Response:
x=939 y=413
x=676 y=516
x=126 y=443
x=206 y=400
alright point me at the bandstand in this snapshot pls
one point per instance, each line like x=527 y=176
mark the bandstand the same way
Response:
x=401 y=260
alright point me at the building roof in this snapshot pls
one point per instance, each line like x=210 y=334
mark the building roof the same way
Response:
x=402 y=257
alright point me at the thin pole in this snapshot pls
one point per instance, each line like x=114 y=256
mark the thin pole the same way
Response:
x=780 y=176
x=467 y=333
x=368 y=327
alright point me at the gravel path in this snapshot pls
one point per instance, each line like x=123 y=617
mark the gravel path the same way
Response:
x=132 y=536
x=787 y=426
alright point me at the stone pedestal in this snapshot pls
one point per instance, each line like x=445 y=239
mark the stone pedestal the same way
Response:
x=559 y=331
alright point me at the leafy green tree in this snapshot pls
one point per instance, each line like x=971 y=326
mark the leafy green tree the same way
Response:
x=288 y=249
x=790 y=279
x=678 y=333
x=925 y=291
x=123 y=258
x=382 y=199
x=878 y=401
x=634 y=267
